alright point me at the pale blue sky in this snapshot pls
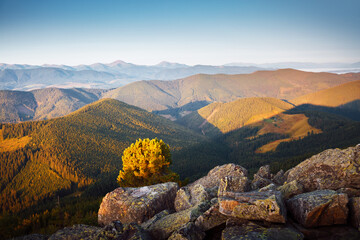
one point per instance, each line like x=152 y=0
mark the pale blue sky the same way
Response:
x=191 y=32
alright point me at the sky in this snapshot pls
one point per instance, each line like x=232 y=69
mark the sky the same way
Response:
x=192 y=32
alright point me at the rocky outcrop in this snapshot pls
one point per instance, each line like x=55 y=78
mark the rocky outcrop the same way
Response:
x=136 y=204
x=189 y=197
x=239 y=209
x=331 y=169
x=319 y=208
x=264 y=206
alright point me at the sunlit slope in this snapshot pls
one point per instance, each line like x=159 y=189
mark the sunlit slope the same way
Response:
x=345 y=94
x=294 y=126
x=74 y=151
x=281 y=84
x=227 y=117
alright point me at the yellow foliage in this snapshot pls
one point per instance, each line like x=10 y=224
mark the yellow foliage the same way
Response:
x=146 y=162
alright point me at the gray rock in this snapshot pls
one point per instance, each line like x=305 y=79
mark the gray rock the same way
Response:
x=188 y=232
x=233 y=184
x=211 y=218
x=270 y=187
x=264 y=172
x=260 y=182
x=116 y=230
x=291 y=189
x=136 y=204
x=163 y=227
x=319 y=208
x=330 y=169
x=212 y=179
x=188 y=197
x=279 y=178
x=264 y=206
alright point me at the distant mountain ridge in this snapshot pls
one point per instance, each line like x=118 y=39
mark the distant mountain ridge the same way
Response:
x=99 y=75
x=172 y=99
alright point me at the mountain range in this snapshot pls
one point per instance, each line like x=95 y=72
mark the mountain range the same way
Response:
x=99 y=75
x=119 y=73
x=174 y=99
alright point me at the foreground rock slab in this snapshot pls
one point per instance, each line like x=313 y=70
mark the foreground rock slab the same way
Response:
x=319 y=208
x=265 y=206
x=330 y=169
x=136 y=204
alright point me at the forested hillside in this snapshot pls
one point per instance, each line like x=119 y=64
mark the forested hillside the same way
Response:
x=82 y=152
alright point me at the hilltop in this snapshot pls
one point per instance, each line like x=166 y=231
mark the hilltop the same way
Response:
x=346 y=95
x=176 y=97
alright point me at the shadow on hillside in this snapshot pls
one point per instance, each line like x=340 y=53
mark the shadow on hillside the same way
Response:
x=349 y=110
x=181 y=111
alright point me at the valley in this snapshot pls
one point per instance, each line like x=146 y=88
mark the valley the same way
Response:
x=74 y=138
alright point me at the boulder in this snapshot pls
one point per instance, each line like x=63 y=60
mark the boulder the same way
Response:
x=260 y=182
x=264 y=172
x=319 y=208
x=188 y=232
x=252 y=231
x=266 y=206
x=188 y=197
x=211 y=218
x=76 y=232
x=136 y=204
x=279 y=178
x=291 y=189
x=233 y=184
x=212 y=179
x=354 y=207
x=336 y=232
x=117 y=230
x=270 y=187
x=163 y=227
x=351 y=192
x=330 y=169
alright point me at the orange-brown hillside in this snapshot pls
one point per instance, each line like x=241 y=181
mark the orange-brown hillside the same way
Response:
x=332 y=97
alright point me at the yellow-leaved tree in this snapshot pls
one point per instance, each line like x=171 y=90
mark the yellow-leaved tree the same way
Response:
x=146 y=162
